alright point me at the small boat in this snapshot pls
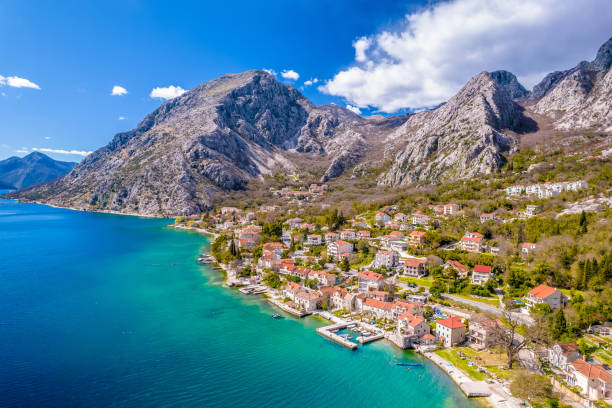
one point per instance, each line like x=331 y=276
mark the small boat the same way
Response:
x=276 y=316
x=349 y=337
x=409 y=364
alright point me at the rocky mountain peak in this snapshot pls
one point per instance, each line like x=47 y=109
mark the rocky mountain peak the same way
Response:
x=508 y=81
x=603 y=59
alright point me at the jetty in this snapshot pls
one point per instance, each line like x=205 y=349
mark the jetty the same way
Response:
x=370 y=338
x=288 y=309
x=330 y=333
x=253 y=290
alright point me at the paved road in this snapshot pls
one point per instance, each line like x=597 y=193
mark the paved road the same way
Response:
x=482 y=306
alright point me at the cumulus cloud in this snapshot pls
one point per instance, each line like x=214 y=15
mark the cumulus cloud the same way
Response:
x=311 y=81
x=118 y=91
x=354 y=109
x=22 y=151
x=290 y=74
x=168 y=92
x=121 y=118
x=270 y=71
x=361 y=46
x=60 y=151
x=47 y=137
x=17 y=82
x=438 y=48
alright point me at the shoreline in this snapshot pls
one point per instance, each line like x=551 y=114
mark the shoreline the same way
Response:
x=454 y=374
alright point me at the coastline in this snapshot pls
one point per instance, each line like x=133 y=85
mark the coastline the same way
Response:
x=453 y=373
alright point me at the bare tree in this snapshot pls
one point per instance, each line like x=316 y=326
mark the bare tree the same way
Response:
x=506 y=336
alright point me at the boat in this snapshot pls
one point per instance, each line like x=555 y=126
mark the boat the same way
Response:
x=276 y=316
x=349 y=337
x=409 y=364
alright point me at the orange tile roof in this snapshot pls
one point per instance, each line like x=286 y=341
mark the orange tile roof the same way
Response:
x=542 y=291
x=414 y=262
x=482 y=269
x=370 y=275
x=453 y=322
x=379 y=304
x=592 y=370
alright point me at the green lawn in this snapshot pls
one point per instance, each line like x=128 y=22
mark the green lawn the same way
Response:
x=417 y=281
x=603 y=357
x=491 y=302
x=452 y=357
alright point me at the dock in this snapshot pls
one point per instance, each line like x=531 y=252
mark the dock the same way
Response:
x=290 y=310
x=253 y=290
x=329 y=332
x=371 y=338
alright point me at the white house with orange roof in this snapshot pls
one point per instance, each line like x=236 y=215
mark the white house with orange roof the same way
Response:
x=336 y=248
x=484 y=217
x=382 y=218
x=461 y=269
x=400 y=217
x=314 y=239
x=451 y=209
x=528 y=247
x=481 y=274
x=418 y=218
x=347 y=235
x=363 y=234
x=369 y=280
x=331 y=237
x=386 y=259
x=378 y=308
x=545 y=294
x=415 y=267
x=594 y=380
x=471 y=242
x=451 y=331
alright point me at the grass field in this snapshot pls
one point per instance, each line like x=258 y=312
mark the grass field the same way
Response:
x=417 y=281
x=453 y=357
x=491 y=302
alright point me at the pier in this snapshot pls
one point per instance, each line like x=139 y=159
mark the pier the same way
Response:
x=329 y=332
x=290 y=310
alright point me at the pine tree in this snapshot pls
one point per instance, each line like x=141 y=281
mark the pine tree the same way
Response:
x=558 y=325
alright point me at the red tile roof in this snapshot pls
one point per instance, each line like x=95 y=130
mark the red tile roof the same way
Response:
x=542 y=291
x=378 y=304
x=453 y=322
x=414 y=262
x=592 y=370
x=370 y=275
x=482 y=269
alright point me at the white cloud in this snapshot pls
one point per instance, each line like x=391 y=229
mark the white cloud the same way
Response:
x=47 y=137
x=17 y=82
x=311 y=81
x=61 y=151
x=290 y=74
x=22 y=151
x=361 y=46
x=168 y=92
x=354 y=109
x=122 y=118
x=440 y=47
x=270 y=71
x=118 y=91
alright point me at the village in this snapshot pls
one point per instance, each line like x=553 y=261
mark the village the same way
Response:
x=373 y=276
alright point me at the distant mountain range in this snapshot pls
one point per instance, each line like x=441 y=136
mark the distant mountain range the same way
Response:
x=35 y=168
x=240 y=128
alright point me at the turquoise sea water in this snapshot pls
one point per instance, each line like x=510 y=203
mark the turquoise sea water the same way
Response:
x=101 y=310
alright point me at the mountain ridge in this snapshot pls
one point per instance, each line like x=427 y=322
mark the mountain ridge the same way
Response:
x=34 y=168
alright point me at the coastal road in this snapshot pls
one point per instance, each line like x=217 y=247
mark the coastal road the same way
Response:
x=482 y=306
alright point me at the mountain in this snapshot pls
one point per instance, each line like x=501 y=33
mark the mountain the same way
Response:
x=214 y=138
x=35 y=168
x=241 y=130
x=464 y=137
x=581 y=97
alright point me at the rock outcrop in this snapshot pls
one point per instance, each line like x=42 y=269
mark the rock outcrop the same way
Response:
x=578 y=98
x=461 y=138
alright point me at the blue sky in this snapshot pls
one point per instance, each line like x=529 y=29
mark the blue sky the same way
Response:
x=374 y=57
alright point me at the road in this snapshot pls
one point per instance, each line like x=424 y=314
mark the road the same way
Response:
x=488 y=308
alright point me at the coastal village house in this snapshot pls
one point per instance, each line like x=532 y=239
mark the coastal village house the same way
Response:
x=418 y=218
x=545 y=294
x=461 y=269
x=594 y=380
x=337 y=248
x=415 y=267
x=370 y=281
x=416 y=238
x=527 y=248
x=364 y=234
x=450 y=331
x=347 y=235
x=561 y=355
x=484 y=217
x=481 y=332
x=381 y=218
x=314 y=239
x=451 y=209
x=386 y=259
x=481 y=274
x=471 y=242
x=331 y=237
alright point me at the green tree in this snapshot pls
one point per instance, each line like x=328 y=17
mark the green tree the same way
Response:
x=532 y=387
x=272 y=280
x=344 y=265
x=558 y=326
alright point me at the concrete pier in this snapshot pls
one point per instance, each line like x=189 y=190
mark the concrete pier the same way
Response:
x=328 y=332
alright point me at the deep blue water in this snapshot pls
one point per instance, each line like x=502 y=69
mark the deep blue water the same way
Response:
x=102 y=310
